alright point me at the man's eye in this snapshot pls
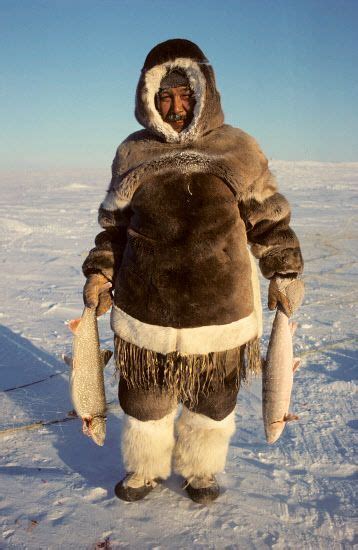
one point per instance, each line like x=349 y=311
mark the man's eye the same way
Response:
x=164 y=98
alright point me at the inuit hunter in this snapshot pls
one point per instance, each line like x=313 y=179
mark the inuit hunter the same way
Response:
x=188 y=195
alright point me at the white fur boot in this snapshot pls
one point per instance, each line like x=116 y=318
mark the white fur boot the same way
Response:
x=200 y=452
x=147 y=455
x=147 y=446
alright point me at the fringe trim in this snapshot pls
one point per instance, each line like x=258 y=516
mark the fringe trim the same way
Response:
x=253 y=357
x=185 y=376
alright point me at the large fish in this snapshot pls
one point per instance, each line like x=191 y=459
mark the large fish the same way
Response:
x=277 y=377
x=86 y=376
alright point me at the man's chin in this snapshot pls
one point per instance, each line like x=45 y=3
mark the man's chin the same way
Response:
x=178 y=126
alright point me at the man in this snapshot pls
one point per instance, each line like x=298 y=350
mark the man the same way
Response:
x=187 y=194
x=175 y=101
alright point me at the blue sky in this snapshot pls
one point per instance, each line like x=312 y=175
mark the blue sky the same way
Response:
x=286 y=70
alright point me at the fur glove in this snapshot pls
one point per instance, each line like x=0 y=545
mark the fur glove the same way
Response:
x=287 y=292
x=96 y=293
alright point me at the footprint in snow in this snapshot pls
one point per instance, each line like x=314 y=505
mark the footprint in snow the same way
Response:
x=96 y=495
x=57 y=516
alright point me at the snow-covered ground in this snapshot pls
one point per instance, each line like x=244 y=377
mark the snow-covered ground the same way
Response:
x=57 y=486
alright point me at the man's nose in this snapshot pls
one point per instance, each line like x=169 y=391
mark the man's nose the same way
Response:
x=177 y=104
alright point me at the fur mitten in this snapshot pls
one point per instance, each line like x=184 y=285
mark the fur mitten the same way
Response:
x=287 y=292
x=96 y=293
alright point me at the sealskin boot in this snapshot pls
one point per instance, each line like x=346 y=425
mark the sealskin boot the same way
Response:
x=134 y=487
x=202 y=489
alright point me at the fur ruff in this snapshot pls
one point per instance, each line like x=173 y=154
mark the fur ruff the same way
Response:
x=184 y=375
x=186 y=56
x=202 y=444
x=147 y=446
x=151 y=86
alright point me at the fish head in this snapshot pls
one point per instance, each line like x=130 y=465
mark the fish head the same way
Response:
x=274 y=430
x=97 y=430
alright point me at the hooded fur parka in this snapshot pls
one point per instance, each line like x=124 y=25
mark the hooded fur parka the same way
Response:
x=179 y=214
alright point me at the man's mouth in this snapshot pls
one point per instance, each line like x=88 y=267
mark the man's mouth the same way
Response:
x=175 y=118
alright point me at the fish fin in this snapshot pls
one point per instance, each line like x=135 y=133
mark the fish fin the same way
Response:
x=73 y=325
x=106 y=354
x=68 y=360
x=293 y=326
x=86 y=423
x=289 y=417
x=296 y=364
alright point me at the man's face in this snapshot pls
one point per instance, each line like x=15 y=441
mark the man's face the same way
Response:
x=176 y=107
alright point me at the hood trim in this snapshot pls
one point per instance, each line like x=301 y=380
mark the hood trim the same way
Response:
x=152 y=79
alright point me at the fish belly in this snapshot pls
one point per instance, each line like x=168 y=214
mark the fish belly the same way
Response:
x=277 y=378
x=87 y=392
x=87 y=379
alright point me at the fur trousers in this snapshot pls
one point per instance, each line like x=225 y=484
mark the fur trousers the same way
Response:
x=197 y=445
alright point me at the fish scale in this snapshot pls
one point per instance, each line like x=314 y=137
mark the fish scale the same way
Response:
x=277 y=378
x=86 y=378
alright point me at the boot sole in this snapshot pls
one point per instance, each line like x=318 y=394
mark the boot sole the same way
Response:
x=205 y=495
x=131 y=494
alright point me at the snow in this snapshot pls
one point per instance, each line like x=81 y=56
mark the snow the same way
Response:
x=57 y=485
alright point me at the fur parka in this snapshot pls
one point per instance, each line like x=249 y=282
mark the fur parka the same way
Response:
x=179 y=213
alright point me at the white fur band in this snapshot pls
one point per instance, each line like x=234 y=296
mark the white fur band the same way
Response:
x=112 y=202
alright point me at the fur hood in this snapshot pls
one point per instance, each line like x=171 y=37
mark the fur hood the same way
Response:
x=183 y=54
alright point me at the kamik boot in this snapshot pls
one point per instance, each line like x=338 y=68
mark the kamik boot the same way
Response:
x=147 y=453
x=200 y=453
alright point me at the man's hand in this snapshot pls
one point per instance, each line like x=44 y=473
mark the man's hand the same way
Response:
x=287 y=292
x=96 y=293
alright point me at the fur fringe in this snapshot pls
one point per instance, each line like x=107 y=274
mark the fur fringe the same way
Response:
x=184 y=375
x=253 y=357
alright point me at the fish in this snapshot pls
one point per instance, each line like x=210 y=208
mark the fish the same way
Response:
x=86 y=375
x=277 y=377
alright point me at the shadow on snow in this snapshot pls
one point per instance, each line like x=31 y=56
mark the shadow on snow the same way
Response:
x=44 y=396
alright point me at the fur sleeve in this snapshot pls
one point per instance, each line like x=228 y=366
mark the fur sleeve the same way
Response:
x=106 y=256
x=272 y=241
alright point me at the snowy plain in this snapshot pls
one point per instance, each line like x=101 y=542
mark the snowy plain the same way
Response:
x=56 y=486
